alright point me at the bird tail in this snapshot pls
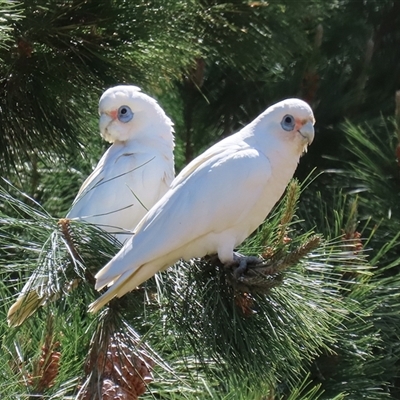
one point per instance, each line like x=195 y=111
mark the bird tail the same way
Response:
x=126 y=282
x=114 y=269
x=26 y=304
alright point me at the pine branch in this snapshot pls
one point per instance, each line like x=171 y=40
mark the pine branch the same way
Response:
x=260 y=278
x=194 y=313
x=397 y=116
x=118 y=365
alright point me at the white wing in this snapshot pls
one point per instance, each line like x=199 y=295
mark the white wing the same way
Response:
x=115 y=197
x=216 y=201
x=123 y=186
x=129 y=179
x=215 y=197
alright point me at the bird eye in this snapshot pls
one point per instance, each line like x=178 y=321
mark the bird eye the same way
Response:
x=288 y=123
x=125 y=114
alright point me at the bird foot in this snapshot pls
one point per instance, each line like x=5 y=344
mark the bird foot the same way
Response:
x=241 y=262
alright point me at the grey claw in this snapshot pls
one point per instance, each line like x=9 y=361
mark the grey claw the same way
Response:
x=242 y=263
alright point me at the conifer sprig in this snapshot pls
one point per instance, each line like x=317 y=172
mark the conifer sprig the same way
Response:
x=209 y=321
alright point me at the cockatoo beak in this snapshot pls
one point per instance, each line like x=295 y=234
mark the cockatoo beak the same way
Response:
x=307 y=131
x=104 y=121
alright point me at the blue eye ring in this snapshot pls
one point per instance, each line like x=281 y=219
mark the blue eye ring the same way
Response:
x=288 y=123
x=125 y=114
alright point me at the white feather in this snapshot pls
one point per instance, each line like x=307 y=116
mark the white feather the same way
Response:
x=133 y=174
x=135 y=171
x=217 y=201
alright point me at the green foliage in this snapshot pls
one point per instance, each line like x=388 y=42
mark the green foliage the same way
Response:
x=324 y=325
x=355 y=354
x=63 y=54
x=192 y=313
x=8 y=13
x=369 y=174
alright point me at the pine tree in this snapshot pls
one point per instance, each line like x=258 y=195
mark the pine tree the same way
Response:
x=272 y=322
x=318 y=319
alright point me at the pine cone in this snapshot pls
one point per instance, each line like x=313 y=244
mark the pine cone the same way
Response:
x=111 y=391
x=123 y=374
x=245 y=303
x=47 y=369
x=131 y=371
x=353 y=239
x=49 y=365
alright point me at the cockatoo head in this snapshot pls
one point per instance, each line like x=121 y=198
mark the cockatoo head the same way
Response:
x=291 y=120
x=126 y=113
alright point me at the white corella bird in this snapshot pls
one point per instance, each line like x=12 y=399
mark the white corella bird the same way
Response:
x=136 y=170
x=217 y=200
x=133 y=174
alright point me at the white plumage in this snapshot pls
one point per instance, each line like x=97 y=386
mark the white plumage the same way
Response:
x=129 y=179
x=217 y=201
x=135 y=171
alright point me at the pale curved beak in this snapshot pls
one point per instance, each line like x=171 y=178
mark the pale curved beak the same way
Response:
x=104 y=121
x=307 y=131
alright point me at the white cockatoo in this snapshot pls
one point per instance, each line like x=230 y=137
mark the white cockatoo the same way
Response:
x=217 y=200
x=136 y=171
x=133 y=174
